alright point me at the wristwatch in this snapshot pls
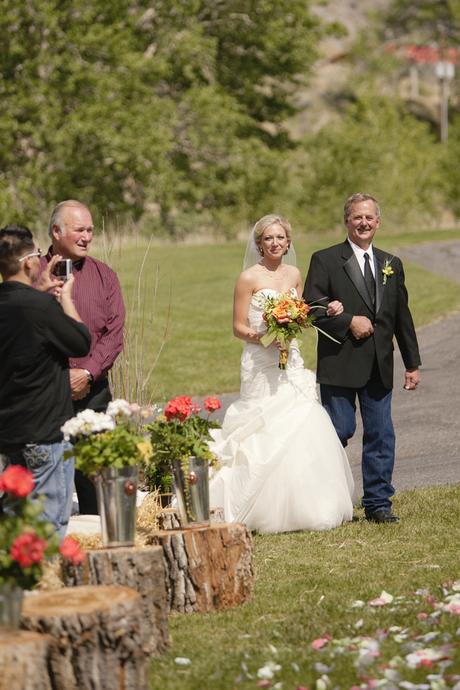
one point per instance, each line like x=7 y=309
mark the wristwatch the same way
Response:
x=89 y=375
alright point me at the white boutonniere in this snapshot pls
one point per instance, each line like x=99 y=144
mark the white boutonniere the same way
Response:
x=387 y=270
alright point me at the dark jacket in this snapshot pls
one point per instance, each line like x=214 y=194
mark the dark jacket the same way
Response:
x=335 y=273
x=36 y=339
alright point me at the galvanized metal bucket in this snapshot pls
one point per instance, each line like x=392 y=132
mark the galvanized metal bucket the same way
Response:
x=116 y=497
x=191 y=486
x=11 y=598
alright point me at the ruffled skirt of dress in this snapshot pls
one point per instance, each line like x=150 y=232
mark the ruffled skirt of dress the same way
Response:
x=282 y=466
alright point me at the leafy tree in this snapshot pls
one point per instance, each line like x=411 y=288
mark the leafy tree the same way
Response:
x=174 y=109
x=377 y=148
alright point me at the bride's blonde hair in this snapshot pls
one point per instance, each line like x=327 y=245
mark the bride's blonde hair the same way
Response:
x=266 y=222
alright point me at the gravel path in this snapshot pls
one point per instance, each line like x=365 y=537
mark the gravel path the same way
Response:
x=426 y=420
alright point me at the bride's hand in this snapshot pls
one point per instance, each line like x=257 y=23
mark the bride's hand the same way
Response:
x=334 y=308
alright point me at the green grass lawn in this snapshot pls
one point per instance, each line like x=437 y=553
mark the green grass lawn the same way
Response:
x=180 y=311
x=306 y=584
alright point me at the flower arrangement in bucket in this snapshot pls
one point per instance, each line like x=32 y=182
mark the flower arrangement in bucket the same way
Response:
x=111 y=446
x=26 y=542
x=108 y=439
x=181 y=454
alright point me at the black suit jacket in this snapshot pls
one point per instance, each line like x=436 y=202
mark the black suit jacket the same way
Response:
x=335 y=273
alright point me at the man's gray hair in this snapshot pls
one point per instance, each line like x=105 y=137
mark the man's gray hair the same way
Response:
x=356 y=199
x=56 y=216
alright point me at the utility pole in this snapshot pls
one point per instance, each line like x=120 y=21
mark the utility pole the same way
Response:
x=445 y=73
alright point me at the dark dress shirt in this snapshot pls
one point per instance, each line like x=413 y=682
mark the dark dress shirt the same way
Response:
x=36 y=339
x=97 y=297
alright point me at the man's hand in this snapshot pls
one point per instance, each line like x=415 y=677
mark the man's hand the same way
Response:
x=47 y=281
x=361 y=327
x=334 y=308
x=79 y=384
x=411 y=379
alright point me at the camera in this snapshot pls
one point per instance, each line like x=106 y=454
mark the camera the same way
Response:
x=63 y=269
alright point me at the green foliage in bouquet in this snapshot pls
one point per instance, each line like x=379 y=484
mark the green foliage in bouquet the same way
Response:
x=177 y=434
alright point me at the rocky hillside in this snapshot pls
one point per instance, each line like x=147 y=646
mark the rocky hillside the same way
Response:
x=416 y=84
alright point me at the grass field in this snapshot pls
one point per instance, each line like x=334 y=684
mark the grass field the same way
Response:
x=180 y=311
x=305 y=588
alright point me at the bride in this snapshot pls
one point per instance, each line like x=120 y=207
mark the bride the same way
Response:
x=282 y=466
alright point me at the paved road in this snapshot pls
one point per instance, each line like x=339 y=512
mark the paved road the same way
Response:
x=427 y=420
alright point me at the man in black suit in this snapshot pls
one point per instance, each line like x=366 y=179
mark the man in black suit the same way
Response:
x=370 y=284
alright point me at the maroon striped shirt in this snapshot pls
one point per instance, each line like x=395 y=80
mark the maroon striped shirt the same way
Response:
x=97 y=297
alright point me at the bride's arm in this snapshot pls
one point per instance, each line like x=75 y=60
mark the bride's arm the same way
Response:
x=241 y=299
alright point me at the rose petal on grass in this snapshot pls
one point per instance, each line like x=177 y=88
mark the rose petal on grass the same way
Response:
x=182 y=661
x=382 y=600
x=268 y=671
x=320 y=642
x=358 y=604
x=264 y=684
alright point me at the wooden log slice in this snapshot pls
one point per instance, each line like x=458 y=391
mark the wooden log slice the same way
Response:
x=142 y=569
x=99 y=636
x=24 y=658
x=207 y=567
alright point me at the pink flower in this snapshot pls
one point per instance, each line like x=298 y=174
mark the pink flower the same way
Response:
x=179 y=408
x=16 y=480
x=71 y=550
x=212 y=404
x=320 y=642
x=422 y=616
x=28 y=549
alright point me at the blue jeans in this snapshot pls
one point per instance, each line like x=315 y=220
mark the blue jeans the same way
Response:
x=53 y=478
x=378 y=454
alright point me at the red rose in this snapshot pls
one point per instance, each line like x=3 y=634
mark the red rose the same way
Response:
x=28 y=549
x=16 y=480
x=212 y=404
x=180 y=408
x=71 y=550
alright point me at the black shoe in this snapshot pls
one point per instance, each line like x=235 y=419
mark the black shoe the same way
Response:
x=382 y=515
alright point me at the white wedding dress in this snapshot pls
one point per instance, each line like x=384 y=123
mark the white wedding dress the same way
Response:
x=282 y=466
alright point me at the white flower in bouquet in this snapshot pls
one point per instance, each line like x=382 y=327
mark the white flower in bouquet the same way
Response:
x=86 y=423
x=120 y=407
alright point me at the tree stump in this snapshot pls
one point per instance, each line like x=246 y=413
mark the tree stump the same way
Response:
x=207 y=567
x=98 y=633
x=24 y=658
x=169 y=518
x=142 y=569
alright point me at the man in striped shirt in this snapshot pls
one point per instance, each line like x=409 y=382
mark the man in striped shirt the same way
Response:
x=98 y=299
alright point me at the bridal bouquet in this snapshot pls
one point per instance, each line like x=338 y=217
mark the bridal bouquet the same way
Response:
x=286 y=316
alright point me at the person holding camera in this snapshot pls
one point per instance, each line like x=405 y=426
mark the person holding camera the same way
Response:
x=37 y=336
x=98 y=298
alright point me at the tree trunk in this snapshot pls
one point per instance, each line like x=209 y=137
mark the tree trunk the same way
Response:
x=207 y=567
x=24 y=658
x=142 y=569
x=100 y=641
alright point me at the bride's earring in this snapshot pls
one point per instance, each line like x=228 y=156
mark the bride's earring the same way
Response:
x=289 y=246
x=261 y=251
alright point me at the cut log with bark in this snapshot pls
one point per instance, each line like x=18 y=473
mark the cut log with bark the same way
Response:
x=100 y=644
x=24 y=658
x=207 y=567
x=169 y=518
x=142 y=569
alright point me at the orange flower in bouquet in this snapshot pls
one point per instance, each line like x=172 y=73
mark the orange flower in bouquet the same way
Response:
x=286 y=316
